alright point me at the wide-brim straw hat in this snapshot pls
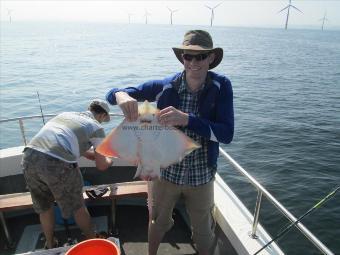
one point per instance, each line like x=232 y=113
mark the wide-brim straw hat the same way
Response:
x=199 y=40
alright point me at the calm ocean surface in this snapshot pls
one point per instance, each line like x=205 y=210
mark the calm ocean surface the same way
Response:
x=286 y=93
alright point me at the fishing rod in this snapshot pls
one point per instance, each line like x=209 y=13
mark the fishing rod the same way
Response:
x=285 y=230
x=42 y=114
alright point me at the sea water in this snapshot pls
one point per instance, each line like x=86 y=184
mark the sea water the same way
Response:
x=286 y=97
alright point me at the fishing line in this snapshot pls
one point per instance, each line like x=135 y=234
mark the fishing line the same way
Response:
x=285 y=230
x=42 y=114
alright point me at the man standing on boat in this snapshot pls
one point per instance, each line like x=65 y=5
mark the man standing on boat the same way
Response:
x=50 y=165
x=200 y=103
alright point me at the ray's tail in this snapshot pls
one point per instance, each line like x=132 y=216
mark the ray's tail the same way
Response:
x=150 y=199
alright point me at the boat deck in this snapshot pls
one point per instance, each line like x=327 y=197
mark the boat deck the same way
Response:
x=131 y=230
x=132 y=221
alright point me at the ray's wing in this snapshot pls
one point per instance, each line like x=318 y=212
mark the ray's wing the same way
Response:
x=105 y=147
x=175 y=145
x=121 y=143
x=166 y=145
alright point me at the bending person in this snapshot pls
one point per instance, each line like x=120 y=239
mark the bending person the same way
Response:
x=51 y=170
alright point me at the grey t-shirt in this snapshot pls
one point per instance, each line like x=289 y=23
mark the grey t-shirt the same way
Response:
x=68 y=135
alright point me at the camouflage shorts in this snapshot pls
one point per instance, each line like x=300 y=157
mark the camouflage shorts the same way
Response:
x=50 y=179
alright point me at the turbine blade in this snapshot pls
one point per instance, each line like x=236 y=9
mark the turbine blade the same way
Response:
x=296 y=8
x=284 y=9
x=217 y=5
x=208 y=7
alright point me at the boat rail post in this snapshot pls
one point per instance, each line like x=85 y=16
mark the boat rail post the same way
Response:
x=5 y=228
x=22 y=129
x=256 y=214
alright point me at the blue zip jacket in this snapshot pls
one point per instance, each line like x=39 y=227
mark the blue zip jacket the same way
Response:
x=216 y=112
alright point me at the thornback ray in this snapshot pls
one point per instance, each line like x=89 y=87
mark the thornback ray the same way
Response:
x=146 y=143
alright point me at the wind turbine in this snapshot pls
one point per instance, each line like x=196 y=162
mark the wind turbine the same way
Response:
x=146 y=16
x=212 y=13
x=288 y=9
x=171 y=12
x=129 y=17
x=323 y=20
x=9 y=13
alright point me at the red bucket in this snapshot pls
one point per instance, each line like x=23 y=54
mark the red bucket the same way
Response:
x=94 y=247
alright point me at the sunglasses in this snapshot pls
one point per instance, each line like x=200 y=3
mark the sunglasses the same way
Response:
x=198 y=57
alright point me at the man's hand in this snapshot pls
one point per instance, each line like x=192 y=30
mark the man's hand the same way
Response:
x=89 y=154
x=128 y=105
x=170 y=116
x=102 y=162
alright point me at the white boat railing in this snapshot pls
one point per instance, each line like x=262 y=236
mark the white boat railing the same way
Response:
x=21 y=121
x=261 y=190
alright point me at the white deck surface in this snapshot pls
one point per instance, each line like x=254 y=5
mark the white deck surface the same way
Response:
x=236 y=222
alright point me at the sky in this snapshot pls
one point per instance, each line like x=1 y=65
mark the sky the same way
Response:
x=243 y=13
